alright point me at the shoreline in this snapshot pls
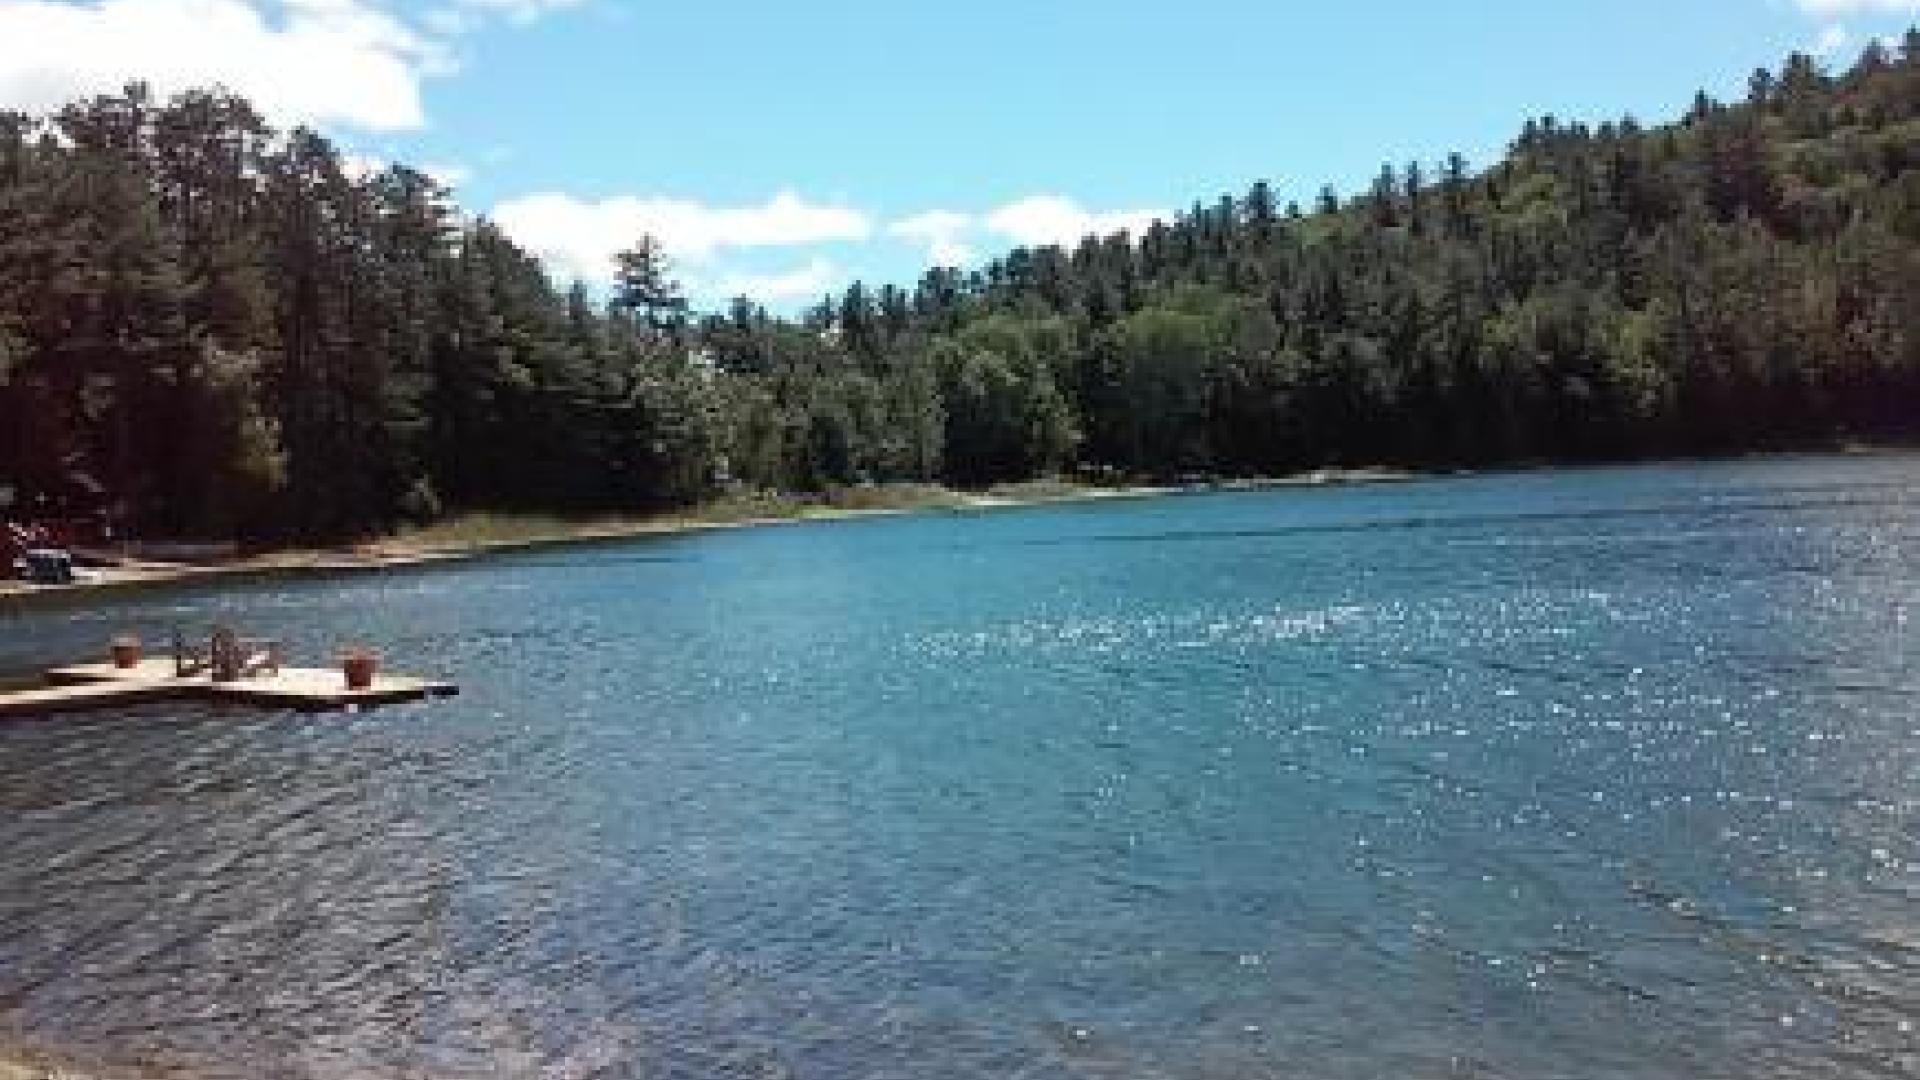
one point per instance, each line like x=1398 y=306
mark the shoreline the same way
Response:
x=474 y=535
x=22 y=1063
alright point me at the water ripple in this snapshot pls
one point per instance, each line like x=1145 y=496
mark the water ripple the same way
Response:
x=1605 y=773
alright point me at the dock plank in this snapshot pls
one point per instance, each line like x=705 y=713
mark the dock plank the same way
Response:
x=102 y=685
x=150 y=669
x=75 y=697
x=320 y=688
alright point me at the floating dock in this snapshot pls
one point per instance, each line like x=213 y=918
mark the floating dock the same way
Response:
x=104 y=686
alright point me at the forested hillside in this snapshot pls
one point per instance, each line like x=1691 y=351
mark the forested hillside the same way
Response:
x=215 y=329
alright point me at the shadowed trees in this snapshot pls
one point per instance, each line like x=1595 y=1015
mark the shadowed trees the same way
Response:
x=212 y=327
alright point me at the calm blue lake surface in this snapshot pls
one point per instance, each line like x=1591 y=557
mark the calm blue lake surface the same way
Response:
x=1608 y=773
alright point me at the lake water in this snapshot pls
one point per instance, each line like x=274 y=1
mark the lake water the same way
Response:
x=1606 y=773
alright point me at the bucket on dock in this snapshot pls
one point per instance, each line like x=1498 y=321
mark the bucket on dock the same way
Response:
x=359 y=665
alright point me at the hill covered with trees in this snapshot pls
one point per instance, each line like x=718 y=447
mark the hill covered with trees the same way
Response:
x=219 y=329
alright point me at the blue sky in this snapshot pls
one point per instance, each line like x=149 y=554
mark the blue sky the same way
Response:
x=783 y=148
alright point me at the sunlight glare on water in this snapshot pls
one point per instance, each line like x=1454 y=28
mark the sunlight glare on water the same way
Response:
x=1606 y=773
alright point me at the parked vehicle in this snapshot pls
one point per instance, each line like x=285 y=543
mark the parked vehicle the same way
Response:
x=32 y=552
x=46 y=566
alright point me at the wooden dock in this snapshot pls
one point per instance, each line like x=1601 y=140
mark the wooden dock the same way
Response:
x=76 y=697
x=103 y=686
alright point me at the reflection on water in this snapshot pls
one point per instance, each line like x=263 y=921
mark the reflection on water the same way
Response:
x=1608 y=773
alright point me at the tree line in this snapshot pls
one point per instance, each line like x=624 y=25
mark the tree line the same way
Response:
x=215 y=328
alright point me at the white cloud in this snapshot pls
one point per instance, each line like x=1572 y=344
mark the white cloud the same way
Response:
x=352 y=63
x=450 y=21
x=1831 y=40
x=447 y=173
x=519 y=11
x=941 y=231
x=314 y=61
x=817 y=277
x=953 y=238
x=359 y=166
x=1829 y=8
x=1055 y=219
x=578 y=237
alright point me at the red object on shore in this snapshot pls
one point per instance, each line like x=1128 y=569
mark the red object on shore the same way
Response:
x=16 y=539
x=359 y=668
x=126 y=652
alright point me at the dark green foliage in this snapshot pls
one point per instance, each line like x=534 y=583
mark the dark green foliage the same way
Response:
x=224 y=332
x=216 y=329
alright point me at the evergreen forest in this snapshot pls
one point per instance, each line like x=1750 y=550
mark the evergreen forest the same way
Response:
x=211 y=328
